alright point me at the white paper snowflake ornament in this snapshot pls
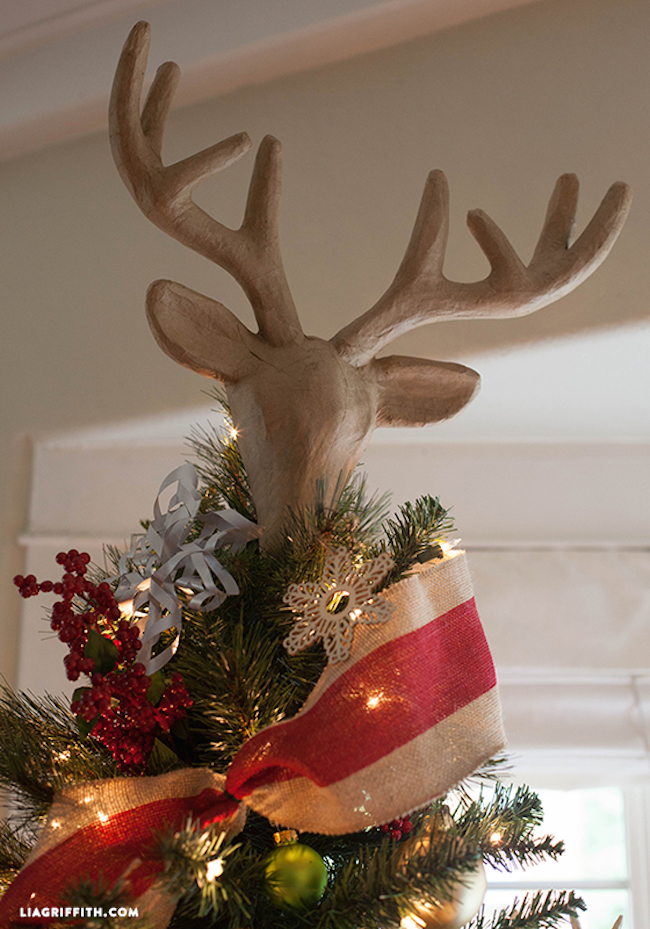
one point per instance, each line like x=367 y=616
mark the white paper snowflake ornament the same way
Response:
x=332 y=607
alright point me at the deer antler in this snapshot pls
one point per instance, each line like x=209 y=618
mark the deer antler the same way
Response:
x=420 y=293
x=250 y=254
x=305 y=408
x=575 y=923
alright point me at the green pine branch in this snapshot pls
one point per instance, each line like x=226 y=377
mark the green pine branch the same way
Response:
x=220 y=466
x=371 y=887
x=242 y=680
x=535 y=911
x=189 y=854
x=414 y=534
x=355 y=523
x=43 y=751
x=15 y=846
x=502 y=827
x=93 y=892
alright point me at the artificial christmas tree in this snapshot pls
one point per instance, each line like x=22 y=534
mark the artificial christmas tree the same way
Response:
x=407 y=712
x=274 y=652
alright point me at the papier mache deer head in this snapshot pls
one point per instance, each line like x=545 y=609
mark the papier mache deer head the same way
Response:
x=305 y=408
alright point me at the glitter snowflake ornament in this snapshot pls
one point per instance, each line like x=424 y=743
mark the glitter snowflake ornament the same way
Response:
x=341 y=600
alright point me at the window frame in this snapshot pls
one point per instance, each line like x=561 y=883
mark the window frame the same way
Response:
x=636 y=817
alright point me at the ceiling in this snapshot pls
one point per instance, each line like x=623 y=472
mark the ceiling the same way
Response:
x=30 y=23
x=54 y=82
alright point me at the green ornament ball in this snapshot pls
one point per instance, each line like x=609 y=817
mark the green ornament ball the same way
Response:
x=296 y=876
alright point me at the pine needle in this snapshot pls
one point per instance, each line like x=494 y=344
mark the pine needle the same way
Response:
x=43 y=751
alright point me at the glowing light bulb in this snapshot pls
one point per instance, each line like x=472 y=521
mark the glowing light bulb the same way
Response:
x=411 y=922
x=233 y=433
x=214 y=869
x=448 y=545
x=103 y=817
x=495 y=838
x=374 y=700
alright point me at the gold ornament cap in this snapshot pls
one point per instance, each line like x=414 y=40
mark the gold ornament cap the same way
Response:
x=285 y=836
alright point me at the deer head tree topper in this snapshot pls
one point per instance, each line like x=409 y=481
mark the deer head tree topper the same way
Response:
x=305 y=408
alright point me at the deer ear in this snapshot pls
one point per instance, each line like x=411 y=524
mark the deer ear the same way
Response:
x=198 y=332
x=415 y=391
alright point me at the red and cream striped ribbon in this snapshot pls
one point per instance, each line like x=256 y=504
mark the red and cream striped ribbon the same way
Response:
x=413 y=711
x=109 y=828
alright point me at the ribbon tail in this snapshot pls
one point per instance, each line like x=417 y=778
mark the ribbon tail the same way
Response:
x=106 y=829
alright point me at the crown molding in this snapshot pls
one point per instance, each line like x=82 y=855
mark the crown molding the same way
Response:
x=57 y=69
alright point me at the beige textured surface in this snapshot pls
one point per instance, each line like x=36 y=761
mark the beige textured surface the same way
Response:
x=306 y=409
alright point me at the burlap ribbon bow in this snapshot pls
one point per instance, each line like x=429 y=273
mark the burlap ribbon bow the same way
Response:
x=413 y=711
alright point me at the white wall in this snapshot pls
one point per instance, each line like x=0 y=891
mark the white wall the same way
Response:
x=503 y=105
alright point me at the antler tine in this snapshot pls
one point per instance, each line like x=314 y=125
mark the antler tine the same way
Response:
x=575 y=924
x=128 y=142
x=262 y=207
x=421 y=294
x=505 y=264
x=187 y=174
x=251 y=254
x=278 y=320
x=425 y=253
x=419 y=273
x=560 y=217
x=556 y=268
x=595 y=243
x=137 y=140
x=158 y=103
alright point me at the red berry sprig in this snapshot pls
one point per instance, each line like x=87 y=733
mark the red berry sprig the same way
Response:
x=399 y=827
x=116 y=704
x=127 y=723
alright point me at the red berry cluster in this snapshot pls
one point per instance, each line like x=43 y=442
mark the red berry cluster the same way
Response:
x=125 y=720
x=127 y=723
x=398 y=828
